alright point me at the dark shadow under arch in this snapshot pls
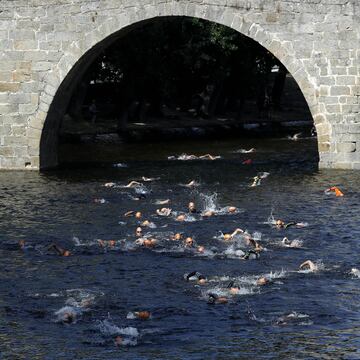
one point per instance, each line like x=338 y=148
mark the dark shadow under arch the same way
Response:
x=49 y=138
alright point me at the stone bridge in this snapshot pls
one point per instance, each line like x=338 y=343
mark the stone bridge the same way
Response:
x=47 y=45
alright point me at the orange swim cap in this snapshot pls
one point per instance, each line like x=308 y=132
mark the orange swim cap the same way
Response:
x=336 y=190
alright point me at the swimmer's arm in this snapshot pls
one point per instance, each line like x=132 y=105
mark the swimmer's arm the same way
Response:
x=237 y=231
x=308 y=263
x=188 y=276
x=132 y=183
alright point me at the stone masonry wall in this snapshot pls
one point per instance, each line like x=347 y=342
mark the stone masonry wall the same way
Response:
x=43 y=42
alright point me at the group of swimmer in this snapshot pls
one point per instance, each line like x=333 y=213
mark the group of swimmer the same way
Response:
x=146 y=239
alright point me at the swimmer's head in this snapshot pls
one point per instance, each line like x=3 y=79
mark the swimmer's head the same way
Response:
x=66 y=253
x=200 y=249
x=142 y=315
x=68 y=317
x=180 y=217
x=177 y=236
x=189 y=241
x=138 y=215
x=202 y=281
x=191 y=207
x=138 y=231
x=112 y=243
x=231 y=209
x=234 y=290
x=227 y=237
x=118 y=340
x=262 y=281
x=21 y=244
x=145 y=223
x=279 y=223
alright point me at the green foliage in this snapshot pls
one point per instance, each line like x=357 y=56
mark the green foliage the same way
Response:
x=175 y=58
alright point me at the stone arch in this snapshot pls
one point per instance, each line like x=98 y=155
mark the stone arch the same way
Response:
x=59 y=83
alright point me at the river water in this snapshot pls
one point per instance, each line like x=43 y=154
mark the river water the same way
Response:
x=298 y=315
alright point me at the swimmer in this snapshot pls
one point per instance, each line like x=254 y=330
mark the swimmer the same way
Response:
x=176 y=237
x=250 y=255
x=308 y=265
x=233 y=290
x=249 y=151
x=138 y=231
x=215 y=299
x=280 y=224
x=195 y=276
x=228 y=237
x=68 y=316
x=208 y=213
x=295 y=137
x=192 y=207
x=209 y=157
x=336 y=190
x=200 y=249
x=146 y=179
x=149 y=243
x=262 y=281
x=118 y=341
x=139 y=197
x=99 y=201
x=109 y=184
x=21 y=244
x=180 y=217
x=231 y=209
x=59 y=250
x=129 y=213
x=162 y=202
x=136 y=214
x=355 y=272
x=256 y=181
x=133 y=184
x=250 y=241
x=192 y=184
x=189 y=242
x=142 y=315
x=109 y=243
x=163 y=212
x=291 y=244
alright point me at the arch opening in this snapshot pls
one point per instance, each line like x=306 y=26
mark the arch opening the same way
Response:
x=243 y=82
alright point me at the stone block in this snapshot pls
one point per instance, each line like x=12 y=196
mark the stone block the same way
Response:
x=341 y=165
x=19 y=130
x=15 y=141
x=24 y=34
x=19 y=98
x=345 y=80
x=356 y=165
x=339 y=90
x=9 y=87
x=7 y=151
x=21 y=76
x=28 y=108
x=25 y=45
x=324 y=147
x=346 y=147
